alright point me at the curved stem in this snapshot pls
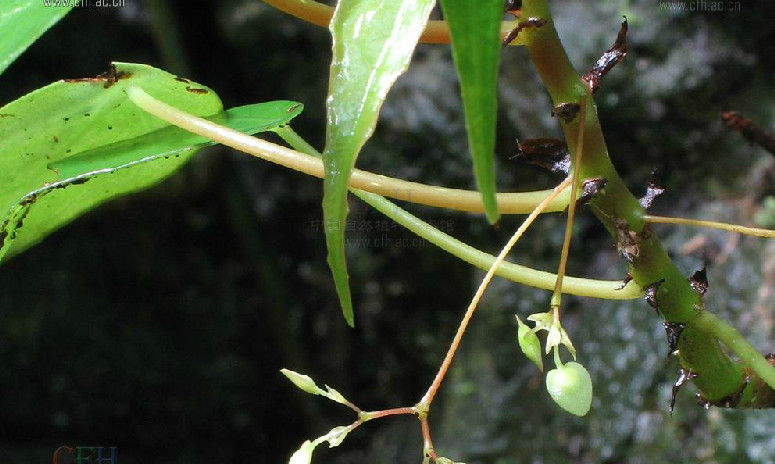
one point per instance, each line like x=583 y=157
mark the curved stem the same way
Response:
x=461 y=200
x=729 y=336
x=319 y=14
x=607 y=289
x=539 y=279
x=756 y=232
x=428 y=398
x=312 y=165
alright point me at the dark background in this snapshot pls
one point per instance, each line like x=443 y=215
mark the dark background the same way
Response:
x=158 y=323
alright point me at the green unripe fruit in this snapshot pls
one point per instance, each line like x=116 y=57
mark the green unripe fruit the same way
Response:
x=570 y=386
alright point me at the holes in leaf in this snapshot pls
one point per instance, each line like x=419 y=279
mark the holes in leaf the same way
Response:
x=196 y=90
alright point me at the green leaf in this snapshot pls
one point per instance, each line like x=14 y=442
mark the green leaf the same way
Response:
x=334 y=395
x=173 y=141
x=70 y=117
x=304 y=382
x=570 y=386
x=476 y=46
x=303 y=455
x=334 y=437
x=337 y=435
x=373 y=41
x=21 y=23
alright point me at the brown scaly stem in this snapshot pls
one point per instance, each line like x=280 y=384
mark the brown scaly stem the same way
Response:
x=719 y=377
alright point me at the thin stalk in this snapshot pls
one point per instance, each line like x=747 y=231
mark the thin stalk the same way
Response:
x=557 y=293
x=371 y=415
x=514 y=272
x=427 y=443
x=431 y=393
x=754 y=231
x=461 y=200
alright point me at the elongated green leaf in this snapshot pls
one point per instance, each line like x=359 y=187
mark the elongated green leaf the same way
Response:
x=172 y=141
x=21 y=23
x=70 y=117
x=373 y=41
x=475 y=30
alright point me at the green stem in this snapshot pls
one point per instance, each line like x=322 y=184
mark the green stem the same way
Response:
x=699 y=350
x=311 y=164
x=557 y=360
x=754 y=231
x=619 y=211
x=461 y=200
x=514 y=272
x=736 y=343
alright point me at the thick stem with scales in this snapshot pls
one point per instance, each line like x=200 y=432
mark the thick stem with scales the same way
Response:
x=719 y=378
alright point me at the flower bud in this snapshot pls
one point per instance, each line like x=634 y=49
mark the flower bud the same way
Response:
x=529 y=344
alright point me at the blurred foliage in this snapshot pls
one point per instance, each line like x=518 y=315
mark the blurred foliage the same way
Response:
x=159 y=322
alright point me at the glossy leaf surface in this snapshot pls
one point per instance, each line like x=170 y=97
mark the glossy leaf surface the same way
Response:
x=21 y=23
x=476 y=46
x=172 y=141
x=373 y=41
x=69 y=117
